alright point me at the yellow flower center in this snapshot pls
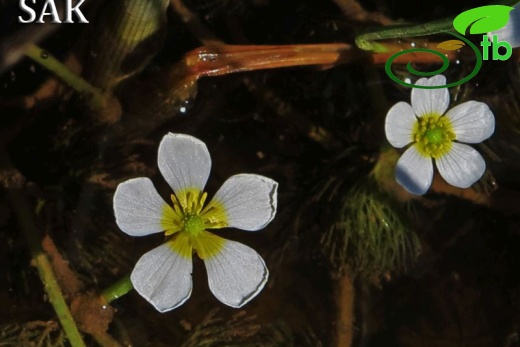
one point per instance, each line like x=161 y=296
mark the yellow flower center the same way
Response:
x=433 y=135
x=189 y=222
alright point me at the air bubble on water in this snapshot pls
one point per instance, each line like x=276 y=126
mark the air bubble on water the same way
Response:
x=185 y=106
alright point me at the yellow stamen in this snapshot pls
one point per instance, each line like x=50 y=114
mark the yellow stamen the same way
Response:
x=433 y=135
x=171 y=221
x=188 y=219
x=215 y=215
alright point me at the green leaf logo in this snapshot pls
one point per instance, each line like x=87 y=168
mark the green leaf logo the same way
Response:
x=481 y=20
x=451 y=45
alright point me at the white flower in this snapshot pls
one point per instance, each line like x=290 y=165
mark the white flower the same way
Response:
x=236 y=273
x=436 y=135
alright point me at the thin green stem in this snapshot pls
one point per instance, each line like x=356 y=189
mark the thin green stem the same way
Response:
x=25 y=218
x=367 y=41
x=117 y=290
x=96 y=98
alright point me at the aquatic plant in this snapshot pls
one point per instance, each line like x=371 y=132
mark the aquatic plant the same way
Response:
x=136 y=70
x=436 y=134
x=243 y=330
x=236 y=273
x=34 y=333
x=370 y=234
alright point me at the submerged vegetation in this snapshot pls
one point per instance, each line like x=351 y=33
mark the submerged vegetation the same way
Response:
x=290 y=90
x=370 y=233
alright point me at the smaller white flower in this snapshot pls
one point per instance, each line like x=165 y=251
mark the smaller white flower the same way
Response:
x=436 y=135
x=236 y=272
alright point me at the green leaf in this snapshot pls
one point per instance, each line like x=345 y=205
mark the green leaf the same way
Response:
x=481 y=20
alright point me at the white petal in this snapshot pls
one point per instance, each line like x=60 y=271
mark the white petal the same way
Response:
x=237 y=274
x=139 y=209
x=184 y=162
x=428 y=101
x=461 y=166
x=249 y=201
x=163 y=277
x=399 y=123
x=414 y=171
x=472 y=121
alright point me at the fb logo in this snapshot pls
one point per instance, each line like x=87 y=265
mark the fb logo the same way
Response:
x=480 y=20
x=496 y=45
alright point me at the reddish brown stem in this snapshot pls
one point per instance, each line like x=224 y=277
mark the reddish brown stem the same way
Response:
x=221 y=60
x=226 y=59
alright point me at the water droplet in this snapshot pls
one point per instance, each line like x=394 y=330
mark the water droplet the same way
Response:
x=185 y=106
x=44 y=54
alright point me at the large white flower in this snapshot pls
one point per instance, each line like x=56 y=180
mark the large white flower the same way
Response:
x=236 y=273
x=436 y=136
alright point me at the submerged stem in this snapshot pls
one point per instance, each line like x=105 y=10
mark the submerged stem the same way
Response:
x=117 y=290
x=345 y=317
x=97 y=99
x=367 y=41
x=26 y=220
